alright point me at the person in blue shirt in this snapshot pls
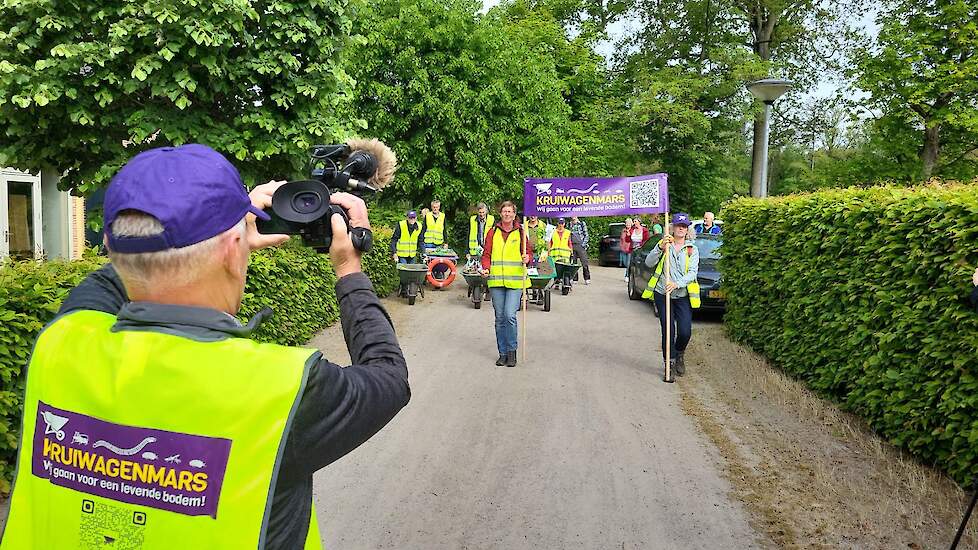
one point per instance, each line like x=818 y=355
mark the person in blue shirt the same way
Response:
x=707 y=227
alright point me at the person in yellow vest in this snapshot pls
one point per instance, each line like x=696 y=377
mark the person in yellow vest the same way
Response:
x=560 y=243
x=434 y=226
x=504 y=261
x=479 y=226
x=683 y=290
x=151 y=420
x=406 y=240
x=536 y=233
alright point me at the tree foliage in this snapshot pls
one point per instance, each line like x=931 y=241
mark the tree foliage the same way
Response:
x=472 y=103
x=86 y=85
x=924 y=71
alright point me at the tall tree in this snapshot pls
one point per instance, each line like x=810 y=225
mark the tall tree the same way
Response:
x=683 y=73
x=470 y=107
x=925 y=70
x=86 y=85
x=799 y=38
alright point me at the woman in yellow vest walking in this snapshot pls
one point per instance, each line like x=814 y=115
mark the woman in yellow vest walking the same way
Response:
x=683 y=290
x=504 y=260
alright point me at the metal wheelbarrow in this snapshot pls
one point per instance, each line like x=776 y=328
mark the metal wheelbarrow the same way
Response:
x=478 y=288
x=412 y=278
x=541 y=283
x=565 y=274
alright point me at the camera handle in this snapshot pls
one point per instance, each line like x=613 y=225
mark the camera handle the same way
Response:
x=362 y=237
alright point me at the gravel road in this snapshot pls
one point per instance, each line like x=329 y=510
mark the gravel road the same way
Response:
x=580 y=446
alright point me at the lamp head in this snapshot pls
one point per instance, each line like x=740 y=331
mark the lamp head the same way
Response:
x=769 y=89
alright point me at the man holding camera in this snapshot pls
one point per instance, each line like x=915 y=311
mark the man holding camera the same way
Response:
x=147 y=406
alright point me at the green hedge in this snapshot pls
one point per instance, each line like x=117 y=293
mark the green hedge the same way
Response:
x=862 y=293
x=295 y=281
x=30 y=295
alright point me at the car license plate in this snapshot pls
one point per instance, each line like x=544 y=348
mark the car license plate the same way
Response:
x=718 y=294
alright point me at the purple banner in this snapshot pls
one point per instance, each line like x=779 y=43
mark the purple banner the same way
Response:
x=171 y=471
x=553 y=197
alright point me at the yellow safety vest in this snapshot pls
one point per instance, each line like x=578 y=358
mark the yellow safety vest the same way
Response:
x=561 y=249
x=138 y=439
x=407 y=244
x=692 y=288
x=506 y=267
x=434 y=233
x=474 y=230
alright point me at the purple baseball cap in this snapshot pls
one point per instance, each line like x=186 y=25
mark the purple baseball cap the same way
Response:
x=412 y=214
x=192 y=189
x=680 y=218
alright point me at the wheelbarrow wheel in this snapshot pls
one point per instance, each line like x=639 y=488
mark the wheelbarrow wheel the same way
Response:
x=546 y=300
x=478 y=304
x=411 y=300
x=565 y=288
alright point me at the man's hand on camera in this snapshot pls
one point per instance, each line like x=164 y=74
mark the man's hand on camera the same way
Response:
x=261 y=197
x=343 y=255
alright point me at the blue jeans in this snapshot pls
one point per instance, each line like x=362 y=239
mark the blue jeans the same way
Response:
x=681 y=316
x=625 y=258
x=506 y=303
x=403 y=260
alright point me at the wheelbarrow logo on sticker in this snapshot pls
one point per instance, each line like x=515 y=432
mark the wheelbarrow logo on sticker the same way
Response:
x=123 y=463
x=53 y=424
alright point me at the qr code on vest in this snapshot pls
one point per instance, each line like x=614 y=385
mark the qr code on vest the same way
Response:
x=644 y=194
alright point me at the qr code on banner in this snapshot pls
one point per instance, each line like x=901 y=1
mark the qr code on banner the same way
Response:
x=644 y=194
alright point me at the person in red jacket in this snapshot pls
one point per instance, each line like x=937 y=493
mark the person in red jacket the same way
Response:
x=505 y=300
x=625 y=245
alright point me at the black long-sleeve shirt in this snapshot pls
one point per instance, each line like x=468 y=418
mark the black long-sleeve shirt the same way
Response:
x=340 y=408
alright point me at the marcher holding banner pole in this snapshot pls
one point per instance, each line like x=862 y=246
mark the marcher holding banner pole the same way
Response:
x=677 y=293
x=667 y=370
x=526 y=261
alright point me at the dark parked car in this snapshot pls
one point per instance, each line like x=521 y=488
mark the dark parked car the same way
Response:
x=711 y=295
x=610 y=246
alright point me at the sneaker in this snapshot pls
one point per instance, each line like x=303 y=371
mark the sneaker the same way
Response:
x=502 y=360
x=511 y=359
x=587 y=282
x=680 y=364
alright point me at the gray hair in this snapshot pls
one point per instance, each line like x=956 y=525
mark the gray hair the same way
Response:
x=481 y=205
x=171 y=267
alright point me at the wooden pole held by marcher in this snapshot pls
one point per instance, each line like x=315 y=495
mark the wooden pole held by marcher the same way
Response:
x=668 y=252
x=526 y=243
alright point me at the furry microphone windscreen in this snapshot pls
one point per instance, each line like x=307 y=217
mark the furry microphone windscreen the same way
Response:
x=386 y=160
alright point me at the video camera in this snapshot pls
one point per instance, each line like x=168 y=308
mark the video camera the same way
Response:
x=361 y=166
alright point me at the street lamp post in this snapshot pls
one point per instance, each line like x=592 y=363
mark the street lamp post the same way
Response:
x=766 y=90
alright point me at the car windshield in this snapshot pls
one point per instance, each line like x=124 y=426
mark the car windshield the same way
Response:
x=708 y=248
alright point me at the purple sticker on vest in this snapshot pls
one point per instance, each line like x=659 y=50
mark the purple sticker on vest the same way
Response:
x=171 y=471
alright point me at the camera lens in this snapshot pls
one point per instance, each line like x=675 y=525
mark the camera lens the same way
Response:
x=307 y=202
